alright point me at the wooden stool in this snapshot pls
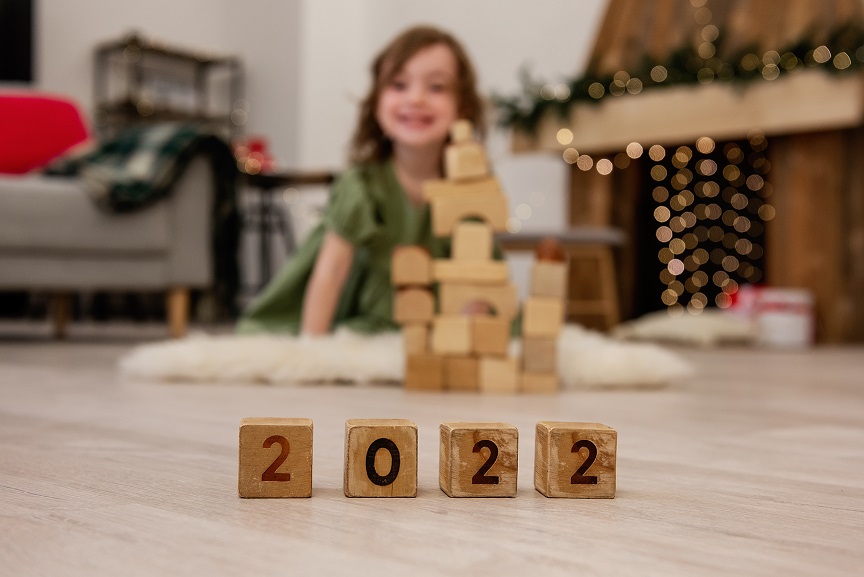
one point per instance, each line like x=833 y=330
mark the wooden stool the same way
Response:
x=593 y=286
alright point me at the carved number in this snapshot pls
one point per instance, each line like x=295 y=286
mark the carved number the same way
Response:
x=270 y=474
x=579 y=477
x=373 y=475
x=480 y=477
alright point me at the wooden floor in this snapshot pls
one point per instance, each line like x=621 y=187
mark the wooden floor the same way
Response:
x=755 y=467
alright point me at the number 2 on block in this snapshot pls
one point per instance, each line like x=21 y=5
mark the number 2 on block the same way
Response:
x=270 y=474
x=480 y=477
x=579 y=477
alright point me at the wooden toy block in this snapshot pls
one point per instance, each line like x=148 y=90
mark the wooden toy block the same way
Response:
x=540 y=354
x=502 y=298
x=461 y=373
x=465 y=161
x=499 y=375
x=380 y=458
x=478 y=459
x=549 y=279
x=424 y=372
x=434 y=188
x=461 y=131
x=550 y=249
x=451 y=335
x=415 y=338
x=471 y=272
x=413 y=306
x=472 y=241
x=449 y=210
x=542 y=317
x=539 y=383
x=490 y=336
x=576 y=460
x=410 y=265
x=275 y=457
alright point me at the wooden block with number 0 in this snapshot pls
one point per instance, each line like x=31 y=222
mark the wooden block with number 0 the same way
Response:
x=275 y=457
x=478 y=459
x=380 y=458
x=576 y=460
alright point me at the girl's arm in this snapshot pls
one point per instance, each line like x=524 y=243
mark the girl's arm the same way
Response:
x=325 y=286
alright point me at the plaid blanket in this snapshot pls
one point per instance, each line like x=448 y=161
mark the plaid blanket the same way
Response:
x=141 y=164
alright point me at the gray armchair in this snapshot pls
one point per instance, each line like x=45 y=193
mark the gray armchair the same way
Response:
x=54 y=238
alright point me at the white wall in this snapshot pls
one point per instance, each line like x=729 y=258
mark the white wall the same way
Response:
x=263 y=33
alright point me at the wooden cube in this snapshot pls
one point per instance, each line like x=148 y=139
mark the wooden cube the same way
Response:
x=275 y=457
x=465 y=161
x=540 y=354
x=450 y=209
x=472 y=241
x=424 y=372
x=576 y=460
x=461 y=131
x=490 y=336
x=478 y=459
x=461 y=373
x=499 y=375
x=410 y=265
x=380 y=458
x=451 y=335
x=549 y=279
x=502 y=298
x=542 y=317
x=415 y=338
x=539 y=383
x=434 y=188
x=485 y=272
x=413 y=305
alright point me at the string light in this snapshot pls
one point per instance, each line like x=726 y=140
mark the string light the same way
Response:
x=584 y=162
x=634 y=150
x=564 y=136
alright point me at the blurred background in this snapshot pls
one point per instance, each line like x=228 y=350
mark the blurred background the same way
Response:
x=705 y=151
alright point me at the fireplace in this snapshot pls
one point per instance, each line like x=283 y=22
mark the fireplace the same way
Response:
x=762 y=184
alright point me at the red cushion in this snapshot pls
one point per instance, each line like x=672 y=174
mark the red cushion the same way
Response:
x=36 y=128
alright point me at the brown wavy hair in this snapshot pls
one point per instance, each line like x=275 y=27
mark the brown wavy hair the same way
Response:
x=369 y=143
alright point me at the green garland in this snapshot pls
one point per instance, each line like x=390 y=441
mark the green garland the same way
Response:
x=842 y=52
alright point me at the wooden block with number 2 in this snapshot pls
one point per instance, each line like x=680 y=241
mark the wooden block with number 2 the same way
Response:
x=275 y=457
x=576 y=460
x=478 y=459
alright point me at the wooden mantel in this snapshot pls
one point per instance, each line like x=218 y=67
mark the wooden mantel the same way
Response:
x=815 y=125
x=809 y=101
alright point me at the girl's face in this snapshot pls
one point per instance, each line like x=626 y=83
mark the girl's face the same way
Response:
x=416 y=108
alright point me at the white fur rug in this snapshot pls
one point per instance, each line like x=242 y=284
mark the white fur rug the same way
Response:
x=586 y=359
x=711 y=328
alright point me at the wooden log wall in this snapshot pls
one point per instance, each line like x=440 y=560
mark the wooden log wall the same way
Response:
x=816 y=240
x=632 y=29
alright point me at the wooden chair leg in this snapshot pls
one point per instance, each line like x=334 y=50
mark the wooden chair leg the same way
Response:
x=610 y=287
x=178 y=312
x=61 y=312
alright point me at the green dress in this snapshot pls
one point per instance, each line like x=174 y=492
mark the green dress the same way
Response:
x=368 y=208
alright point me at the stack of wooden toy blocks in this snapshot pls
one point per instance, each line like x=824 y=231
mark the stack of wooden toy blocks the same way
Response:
x=454 y=350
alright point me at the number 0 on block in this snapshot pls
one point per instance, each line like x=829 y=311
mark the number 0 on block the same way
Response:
x=275 y=457
x=380 y=458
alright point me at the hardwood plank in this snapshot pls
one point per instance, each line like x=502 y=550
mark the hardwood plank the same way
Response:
x=752 y=467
